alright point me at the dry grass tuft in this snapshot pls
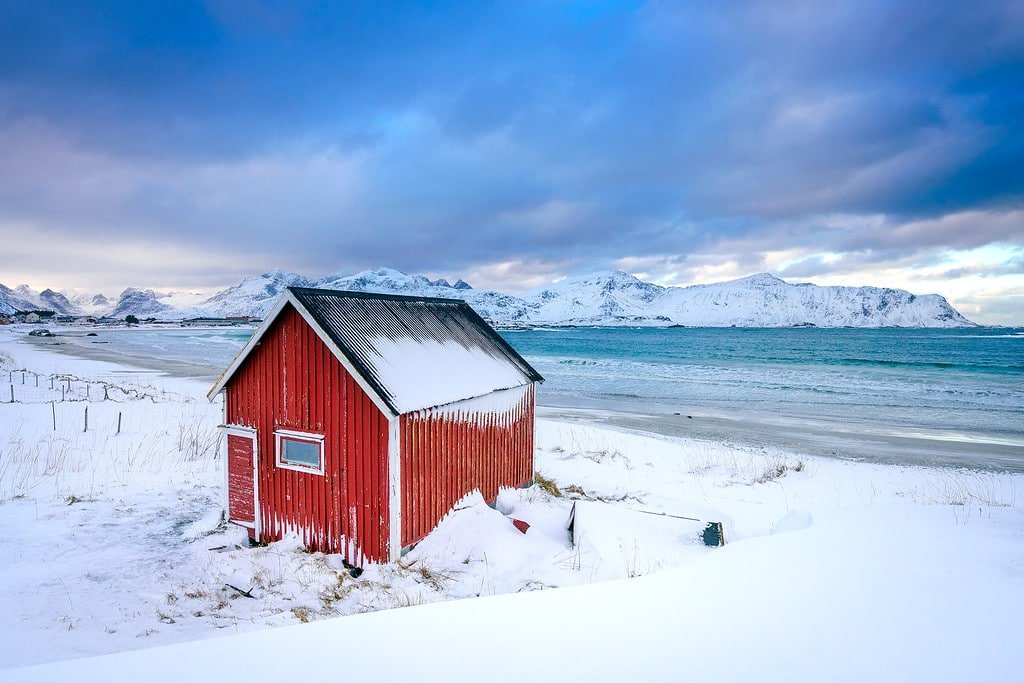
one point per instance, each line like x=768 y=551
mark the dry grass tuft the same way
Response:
x=779 y=470
x=575 y=490
x=961 y=488
x=547 y=485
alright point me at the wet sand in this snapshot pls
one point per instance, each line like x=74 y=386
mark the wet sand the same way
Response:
x=870 y=443
x=848 y=442
x=78 y=345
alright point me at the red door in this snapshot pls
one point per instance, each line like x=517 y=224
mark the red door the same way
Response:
x=242 y=479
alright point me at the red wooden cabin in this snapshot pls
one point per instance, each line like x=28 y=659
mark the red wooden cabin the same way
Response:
x=358 y=420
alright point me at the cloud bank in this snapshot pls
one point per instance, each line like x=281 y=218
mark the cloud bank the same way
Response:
x=188 y=144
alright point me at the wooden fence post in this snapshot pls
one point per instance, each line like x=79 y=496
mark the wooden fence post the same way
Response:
x=53 y=412
x=119 y=423
x=86 y=418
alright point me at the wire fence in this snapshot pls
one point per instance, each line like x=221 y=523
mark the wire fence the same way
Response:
x=25 y=386
x=63 y=390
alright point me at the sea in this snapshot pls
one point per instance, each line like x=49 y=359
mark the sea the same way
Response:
x=933 y=396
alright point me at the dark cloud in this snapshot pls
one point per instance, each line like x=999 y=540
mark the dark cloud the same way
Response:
x=810 y=267
x=1012 y=267
x=965 y=230
x=446 y=137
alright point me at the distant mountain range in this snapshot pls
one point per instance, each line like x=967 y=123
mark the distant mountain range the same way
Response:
x=605 y=298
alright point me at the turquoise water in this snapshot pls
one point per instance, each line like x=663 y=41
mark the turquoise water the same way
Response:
x=963 y=384
x=829 y=390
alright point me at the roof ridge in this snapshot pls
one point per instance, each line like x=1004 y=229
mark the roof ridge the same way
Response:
x=381 y=340
x=376 y=295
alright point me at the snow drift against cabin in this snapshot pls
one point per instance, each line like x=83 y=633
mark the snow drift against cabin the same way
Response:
x=603 y=298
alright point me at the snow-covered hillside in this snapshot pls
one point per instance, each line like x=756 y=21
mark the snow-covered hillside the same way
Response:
x=602 y=298
x=495 y=306
x=88 y=303
x=24 y=298
x=139 y=302
x=252 y=296
x=764 y=301
x=617 y=298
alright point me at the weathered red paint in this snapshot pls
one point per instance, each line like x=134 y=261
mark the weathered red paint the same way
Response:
x=449 y=453
x=241 y=495
x=293 y=381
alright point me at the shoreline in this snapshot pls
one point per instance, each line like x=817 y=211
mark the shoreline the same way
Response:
x=844 y=441
x=841 y=442
x=174 y=368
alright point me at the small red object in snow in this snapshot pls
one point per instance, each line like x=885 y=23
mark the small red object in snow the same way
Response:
x=520 y=524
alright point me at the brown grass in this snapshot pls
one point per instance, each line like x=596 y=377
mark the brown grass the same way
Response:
x=546 y=485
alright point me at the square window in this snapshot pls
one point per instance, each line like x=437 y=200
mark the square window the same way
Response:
x=300 y=451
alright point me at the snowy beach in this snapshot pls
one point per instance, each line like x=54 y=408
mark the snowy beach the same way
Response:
x=838 y=439
x=926 y=397
x=832 y=569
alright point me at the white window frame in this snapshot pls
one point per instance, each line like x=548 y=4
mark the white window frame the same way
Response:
x=294 y=435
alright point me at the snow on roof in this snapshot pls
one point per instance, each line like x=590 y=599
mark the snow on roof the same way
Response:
x=421 y=373
x=412 y=352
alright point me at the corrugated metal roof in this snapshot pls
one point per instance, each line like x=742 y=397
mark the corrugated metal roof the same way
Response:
x=416 y=352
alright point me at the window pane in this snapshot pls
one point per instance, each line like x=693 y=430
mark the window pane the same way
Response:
x=301 y=452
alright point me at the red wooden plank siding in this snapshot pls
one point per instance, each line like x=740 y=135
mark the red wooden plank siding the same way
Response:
x=292 y=381
x=446 y=454
x=240 y=493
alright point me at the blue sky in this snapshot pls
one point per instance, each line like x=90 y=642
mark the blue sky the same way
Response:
x=184 y=145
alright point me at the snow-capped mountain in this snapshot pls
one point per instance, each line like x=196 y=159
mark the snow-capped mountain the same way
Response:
x=602 y=298
x=504 y=308
x=24 y=298
x=88 y=303
x=142 y=303
x=11 y=301
x=253 y=296
x=617 y=298
x=766 y=301
x=55 y=301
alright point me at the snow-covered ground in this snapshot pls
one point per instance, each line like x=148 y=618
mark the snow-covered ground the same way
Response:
x=833 y=570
